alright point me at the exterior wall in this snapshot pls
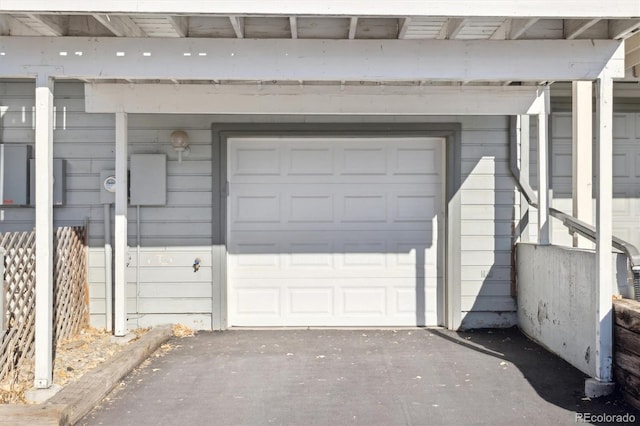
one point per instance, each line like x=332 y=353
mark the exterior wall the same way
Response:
x=490 y=204
x=174 y=235
x=556 y=305
x=171 y=237
x=626 y=175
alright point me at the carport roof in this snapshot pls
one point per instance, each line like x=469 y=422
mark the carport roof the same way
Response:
x=331 y=20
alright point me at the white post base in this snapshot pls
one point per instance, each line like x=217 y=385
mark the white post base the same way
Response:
x=595 y=389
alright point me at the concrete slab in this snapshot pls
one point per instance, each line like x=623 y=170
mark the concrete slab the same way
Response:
x=123 y=340
x=371 y=377
x=38 y=396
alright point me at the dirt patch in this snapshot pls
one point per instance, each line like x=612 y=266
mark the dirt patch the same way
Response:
x=73 y=358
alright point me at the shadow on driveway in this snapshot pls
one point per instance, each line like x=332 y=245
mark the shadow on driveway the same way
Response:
x=341 y=377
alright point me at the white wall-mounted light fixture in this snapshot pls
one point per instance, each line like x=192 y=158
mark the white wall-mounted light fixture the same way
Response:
x=180 y=142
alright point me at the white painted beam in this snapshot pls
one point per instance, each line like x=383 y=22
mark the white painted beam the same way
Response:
x=238 y=25
x=44 y=233
x=180 y=25
x=632 y=59
x=353 y=27
x=313 y=60
x=621 y=28
x=120 y=237
x=121 y=26
x=604 y=228
x=293 y=24
x=574 y=27
x=314 y=99
x=582 y=193
x=544 y=231
x=5 y=26
x=454 y=26
x=520 y=26
x=632 y=43
x=368 y=8
x=450 y=28
x=51 y=25
x=632 y=51
x=403 y=27
x=502 y=32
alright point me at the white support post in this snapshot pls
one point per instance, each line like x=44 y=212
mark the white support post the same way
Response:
x=524 y=147
x=582 y=156
x=604 y=224
x=121 y=250
x=44 y=232
x=543 y=180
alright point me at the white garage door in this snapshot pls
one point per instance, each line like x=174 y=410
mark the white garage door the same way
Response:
x=334 y=231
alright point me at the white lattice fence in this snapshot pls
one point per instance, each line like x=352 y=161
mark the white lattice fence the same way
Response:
x=19 y=288
x=70 y=293
x=71 y=296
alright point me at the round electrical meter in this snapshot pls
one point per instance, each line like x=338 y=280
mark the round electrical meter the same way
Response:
x=110 y=184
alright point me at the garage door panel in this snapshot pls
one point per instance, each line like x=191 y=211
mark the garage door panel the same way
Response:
x=257 y=208
x=311 y=161
x=411 y=161
x=357 y=207
x=363 y=208
x=311 y=209
x=311 y=255
x=363 y=161
x=304 y=300
x=344 y=231
x=257 y=301
x=414 y=208
x=254 y=161
x=369 y=301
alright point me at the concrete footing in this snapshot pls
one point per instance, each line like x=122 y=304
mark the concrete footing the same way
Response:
x=38 y=396
x=595 y=388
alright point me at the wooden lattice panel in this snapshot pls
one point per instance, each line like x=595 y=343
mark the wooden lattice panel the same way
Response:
x=70 y=283
x=71 y=302
x=19 y=287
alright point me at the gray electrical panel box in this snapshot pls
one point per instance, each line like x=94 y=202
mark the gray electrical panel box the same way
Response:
x=107 y=186
x=14 y=174
x=148 y=179
x=59 y=182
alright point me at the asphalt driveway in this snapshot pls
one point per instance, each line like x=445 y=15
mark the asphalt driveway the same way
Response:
x=365 y=377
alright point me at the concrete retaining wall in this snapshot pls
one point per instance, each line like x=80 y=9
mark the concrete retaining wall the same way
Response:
x=556 y=299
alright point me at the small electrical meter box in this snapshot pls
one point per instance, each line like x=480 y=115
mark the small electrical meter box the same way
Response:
x=59 y=182
x=107 y=186
x=14 y=174
x=148 y=179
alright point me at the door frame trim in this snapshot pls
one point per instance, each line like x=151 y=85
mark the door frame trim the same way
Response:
x=450 y=132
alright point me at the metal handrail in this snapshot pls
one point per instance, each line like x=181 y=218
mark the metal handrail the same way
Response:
x=573 y=224
x=589 y=232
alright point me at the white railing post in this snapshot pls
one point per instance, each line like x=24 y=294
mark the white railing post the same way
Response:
x=582 y=156
x=543 y=174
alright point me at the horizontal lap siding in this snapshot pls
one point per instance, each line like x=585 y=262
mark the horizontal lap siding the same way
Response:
x=489 y=204
x=86 y=142
x=626 y=175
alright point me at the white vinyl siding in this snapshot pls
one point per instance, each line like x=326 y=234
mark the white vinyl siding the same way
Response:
x=626 y=175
